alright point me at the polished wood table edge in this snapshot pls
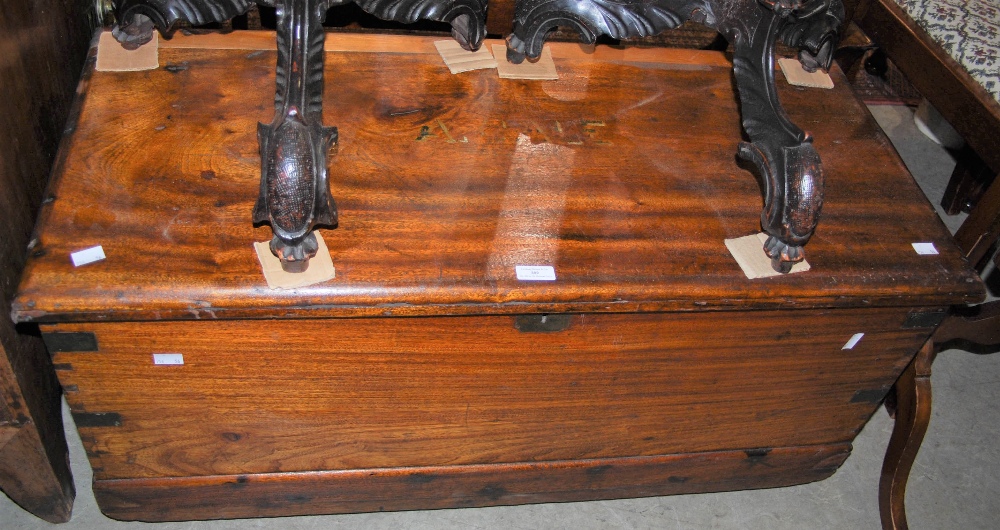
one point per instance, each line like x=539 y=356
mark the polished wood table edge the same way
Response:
x=393 y=489
x=202 y=312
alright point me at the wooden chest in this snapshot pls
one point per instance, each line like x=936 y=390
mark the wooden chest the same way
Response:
x=426 y=374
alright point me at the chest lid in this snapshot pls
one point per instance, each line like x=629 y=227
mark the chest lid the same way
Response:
x=621 y=176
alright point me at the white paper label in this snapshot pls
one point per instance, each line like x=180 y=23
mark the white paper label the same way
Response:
x=535 y=272
x=168 y=358
x=925 y=249
x=87 y=255
x=853 y=342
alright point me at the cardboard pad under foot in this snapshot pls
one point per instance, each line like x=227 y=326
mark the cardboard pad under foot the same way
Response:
x=798 y=76
x=320 y=268
x=543 y=68
x=459 y=60
x=749 y=253
x=112 y=57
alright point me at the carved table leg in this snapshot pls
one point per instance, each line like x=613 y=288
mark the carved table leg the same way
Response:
x=783 y=153
x=913 y=414
x=294 y=193
x=294 y=190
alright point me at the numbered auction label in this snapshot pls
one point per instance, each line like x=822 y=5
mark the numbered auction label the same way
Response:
x=535 y=273
x=168 y=358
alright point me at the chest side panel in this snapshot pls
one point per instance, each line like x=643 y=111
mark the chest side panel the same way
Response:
x=274 y=396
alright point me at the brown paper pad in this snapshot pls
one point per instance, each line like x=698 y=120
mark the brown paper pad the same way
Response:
x=460 y=60
x=795 y=75
x=111 y=57
x=749 y=253
x=545 y=68
x=320 y=268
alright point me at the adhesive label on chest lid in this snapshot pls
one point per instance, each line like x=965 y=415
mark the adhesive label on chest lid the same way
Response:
x=168 y=358
x=535 y=272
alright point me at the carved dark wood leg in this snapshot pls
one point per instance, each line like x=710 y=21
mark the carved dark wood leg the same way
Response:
x=294 y=190
x=783 y=153
x=913 y=414
x=294 y=193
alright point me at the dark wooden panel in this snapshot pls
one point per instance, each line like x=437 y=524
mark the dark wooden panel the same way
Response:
x=622 y=175
x=981 y=229
x=271 y=396
x=366 y=490
x=42 y=51
x=500 y=17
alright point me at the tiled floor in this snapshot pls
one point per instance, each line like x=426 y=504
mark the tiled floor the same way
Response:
x=953 y=485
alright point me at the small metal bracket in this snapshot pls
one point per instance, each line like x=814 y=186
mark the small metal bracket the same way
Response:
x=63 y=341
x=924 y=319
x=97 y=419
x=541 y=323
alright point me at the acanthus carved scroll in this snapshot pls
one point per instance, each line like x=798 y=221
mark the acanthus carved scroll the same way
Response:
x=619 y=19
x=781 y=151
x=294 y=193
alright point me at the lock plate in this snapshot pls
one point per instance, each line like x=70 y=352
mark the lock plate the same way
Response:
x=541 y=323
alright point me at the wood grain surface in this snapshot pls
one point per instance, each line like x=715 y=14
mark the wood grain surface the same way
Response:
x=675 y=372
x=367 y=490
x=328 y=394
x=621 y=175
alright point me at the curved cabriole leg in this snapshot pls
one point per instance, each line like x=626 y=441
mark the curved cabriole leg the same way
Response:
x=913 y=414
x=294 y=193
x=294 y=190
x=783 y=154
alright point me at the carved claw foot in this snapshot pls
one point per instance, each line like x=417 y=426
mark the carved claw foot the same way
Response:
x=793 y=181
x=295 y=256
x=782 y=254
x=515 y=49
x=138 y=30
